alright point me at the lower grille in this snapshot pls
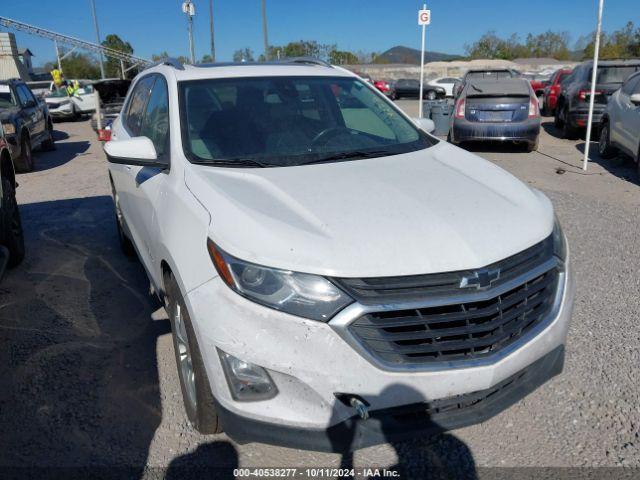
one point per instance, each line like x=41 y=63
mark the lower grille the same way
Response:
x=459 y=331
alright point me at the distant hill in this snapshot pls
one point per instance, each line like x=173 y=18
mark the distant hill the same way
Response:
x=402 y=54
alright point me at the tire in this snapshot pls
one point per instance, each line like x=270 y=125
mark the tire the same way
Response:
x=557 y=119
x=12 y=224
x=605 y=149
x=198 y=400
x=49 y=144
x=25 y=162
x=532 y=147
x=126 y=245
x=568 y=131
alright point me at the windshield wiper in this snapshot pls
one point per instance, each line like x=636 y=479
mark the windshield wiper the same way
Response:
x=351 y=155
x=236 y=162
x=476 y=88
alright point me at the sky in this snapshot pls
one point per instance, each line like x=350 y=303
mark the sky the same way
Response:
x=153 y=26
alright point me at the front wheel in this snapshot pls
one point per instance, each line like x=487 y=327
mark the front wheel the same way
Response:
x=49 y=144
x=533 y=146
x=25 y=162
x=12 y=224
x=605 y=149
x=126 y=245
x=196 y=392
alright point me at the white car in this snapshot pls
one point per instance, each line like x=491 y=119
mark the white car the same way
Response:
x=335 y=276
x=445 y=82
x=61 y=105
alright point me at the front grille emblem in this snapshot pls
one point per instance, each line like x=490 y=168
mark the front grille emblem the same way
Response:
x=480 y=279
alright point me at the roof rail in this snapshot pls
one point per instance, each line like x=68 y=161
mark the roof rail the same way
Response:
x=172 y=62
x=307 y=60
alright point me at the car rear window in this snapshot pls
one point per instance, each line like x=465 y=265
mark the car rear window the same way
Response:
x=489 y=75
x=615 y=74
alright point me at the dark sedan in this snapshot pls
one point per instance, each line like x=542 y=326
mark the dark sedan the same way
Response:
x=409 y=88
x=497 y=110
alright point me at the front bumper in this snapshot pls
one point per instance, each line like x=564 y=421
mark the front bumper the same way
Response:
x=311 y=361
x=63 y=111
x=465 y=131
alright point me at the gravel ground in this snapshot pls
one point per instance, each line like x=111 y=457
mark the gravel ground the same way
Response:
x=88 y=376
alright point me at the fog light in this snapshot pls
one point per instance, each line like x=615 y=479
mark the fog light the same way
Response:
x=247 y=382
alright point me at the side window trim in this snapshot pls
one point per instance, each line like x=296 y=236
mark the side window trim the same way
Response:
x=157 y=78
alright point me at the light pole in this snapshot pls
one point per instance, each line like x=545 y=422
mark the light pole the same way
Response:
x=594 y=73
x=264 y=29
x=95 y=22
x=213 y=44
x=190 y=10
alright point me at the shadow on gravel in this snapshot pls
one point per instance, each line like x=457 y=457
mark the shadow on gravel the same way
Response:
x=426 y=451
x=621 y=165
x=64 y=153
x=211 y=460
x=60 y=135
x=78 y=368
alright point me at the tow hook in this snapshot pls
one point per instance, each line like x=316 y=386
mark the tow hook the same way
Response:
x=359 y=407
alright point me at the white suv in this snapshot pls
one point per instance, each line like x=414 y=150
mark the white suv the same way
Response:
x=335 y=276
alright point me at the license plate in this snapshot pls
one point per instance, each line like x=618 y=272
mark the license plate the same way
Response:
x=495 y=116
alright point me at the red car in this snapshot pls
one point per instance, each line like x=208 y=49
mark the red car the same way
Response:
x=552 y=91
x=383 y=86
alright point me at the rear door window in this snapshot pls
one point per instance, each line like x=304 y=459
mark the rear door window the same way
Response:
x=137 y=105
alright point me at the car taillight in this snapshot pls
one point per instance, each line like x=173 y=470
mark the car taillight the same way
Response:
x=104 y=135
x=460 y=108
x=555 y=89
x=534 y=111
x=583 y=94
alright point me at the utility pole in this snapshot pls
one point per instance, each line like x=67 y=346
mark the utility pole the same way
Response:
x=55 y=42
x=264 y=29
x=594 y=74
x=95 y=22
x=213 y=43
x=190 y=10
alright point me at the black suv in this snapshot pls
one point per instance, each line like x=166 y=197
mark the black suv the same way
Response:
x=25 y=121
x=572 y=109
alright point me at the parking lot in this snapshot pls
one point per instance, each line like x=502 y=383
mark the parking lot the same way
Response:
x=88 y=374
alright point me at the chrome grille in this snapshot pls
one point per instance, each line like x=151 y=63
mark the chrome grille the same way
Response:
x=452 y=328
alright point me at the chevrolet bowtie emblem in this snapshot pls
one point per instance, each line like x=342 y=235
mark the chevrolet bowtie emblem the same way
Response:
x=480 y=279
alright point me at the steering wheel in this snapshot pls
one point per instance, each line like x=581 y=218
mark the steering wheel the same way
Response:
x=328 y=134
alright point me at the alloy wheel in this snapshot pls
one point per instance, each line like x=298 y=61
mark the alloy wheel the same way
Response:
x=604 y=140
x=184 y=357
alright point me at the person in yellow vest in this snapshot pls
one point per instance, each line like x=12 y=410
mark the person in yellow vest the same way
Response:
x=57 y=77
x=72 y=89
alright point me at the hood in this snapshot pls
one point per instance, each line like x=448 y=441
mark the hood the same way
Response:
x=435 y=210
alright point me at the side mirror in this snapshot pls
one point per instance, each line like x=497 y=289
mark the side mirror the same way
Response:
x=137 y=151
x=635 y=98
x=425 y=124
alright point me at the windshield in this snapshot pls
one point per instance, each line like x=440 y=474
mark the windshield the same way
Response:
x=615 y=74
x=60 y=92
x=289 y=121
x=6 y=98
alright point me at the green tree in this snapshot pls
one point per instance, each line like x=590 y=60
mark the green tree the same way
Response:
x=112 y=65
x=77 y=66
x=243 y=55
x=340 y=57
x=206 y=59
x=156 y=57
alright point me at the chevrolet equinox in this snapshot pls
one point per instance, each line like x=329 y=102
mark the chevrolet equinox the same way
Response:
x=335 y=276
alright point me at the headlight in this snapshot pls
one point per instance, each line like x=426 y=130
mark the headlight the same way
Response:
x=9 y=128
x=559 y=241
x=302 y=294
